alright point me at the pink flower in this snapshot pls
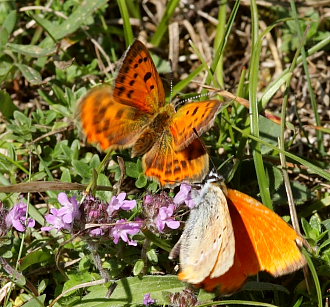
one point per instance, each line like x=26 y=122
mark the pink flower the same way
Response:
x=184 y=196
x=119 y=202
x=147 y=301
x=17 y=218
x=64 y=217
x=123 y=228
x=164 y=218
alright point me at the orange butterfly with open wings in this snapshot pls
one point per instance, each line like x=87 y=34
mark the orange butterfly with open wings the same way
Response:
x=134 y=114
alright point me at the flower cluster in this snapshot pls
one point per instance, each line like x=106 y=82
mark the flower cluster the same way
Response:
x=17 y=218
x=148 y=300
x=159 y=209
x=93 y=211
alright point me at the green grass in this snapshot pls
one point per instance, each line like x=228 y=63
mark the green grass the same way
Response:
x=51 y=56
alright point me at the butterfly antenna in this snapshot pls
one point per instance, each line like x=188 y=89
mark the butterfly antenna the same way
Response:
x=213 y=175
x=171 y=80
x=183 y=101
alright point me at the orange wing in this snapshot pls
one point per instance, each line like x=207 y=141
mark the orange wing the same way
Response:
x=169 y=167
x=108 y=122
x=263 y=242
x=195 y=115
x=138 y=83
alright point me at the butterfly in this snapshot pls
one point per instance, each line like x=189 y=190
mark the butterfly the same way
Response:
x=231 y=236
x=134 y=114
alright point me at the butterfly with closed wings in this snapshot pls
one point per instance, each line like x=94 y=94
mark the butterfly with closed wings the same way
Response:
x=230 y=236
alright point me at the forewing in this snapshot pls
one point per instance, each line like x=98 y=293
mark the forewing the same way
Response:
x=263 y=242
x=274 y=241
x=171 y=167
x=196 y=115
x=138 y=83
x=108 y=122
x=207 y=242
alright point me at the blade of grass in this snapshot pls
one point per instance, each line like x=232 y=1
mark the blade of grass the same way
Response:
x=313 y=168
x=254 y=110
x=319 y=134
x=128 y=32
x=162 y=27
x=315 y=277
x=222 y=44
x=219 y=37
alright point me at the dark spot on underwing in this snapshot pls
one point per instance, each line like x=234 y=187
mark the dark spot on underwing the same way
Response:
x=140 y=61
x=195 y=111
x=129 y=94
x=121 y=78
x=126 y=69
x=152 y=87
x=121 y=90
x=187 y=112
x=135 y=75
x=147 y=76
x=145 y=59
x=131 y=83
x=119 y=113
x=184 y=164
x=177 y=169
x=136 y=65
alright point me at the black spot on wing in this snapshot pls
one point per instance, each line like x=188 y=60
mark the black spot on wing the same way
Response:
x=129 y=94
x=147 y=76
x=195 y=111
x=119 y=113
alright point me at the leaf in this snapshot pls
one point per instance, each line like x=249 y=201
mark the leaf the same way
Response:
x=82 y=168
x=138 y=267
x=38 y=256
x=132 y=169
x=36 y=301
x=73 y=23
x=269 y=132
x=32 y=50
x=7 y=106
x=142 y=181
x=130 y=291
x=10 y=21
x=30 y=74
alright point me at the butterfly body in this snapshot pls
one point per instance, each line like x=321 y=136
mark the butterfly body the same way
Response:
x=246 y=238
x=134 y=114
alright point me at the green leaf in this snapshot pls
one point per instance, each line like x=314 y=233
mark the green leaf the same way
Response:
x=32 y=50
x=142 y=181
x=132 y=169
x=66 y=176
x=138 y=267
x=269 y=132
x=30 y=74
x=152 y=255
x=130 y=291
x=7 y=106
x=82 y=168
x=36 y=301
x=4 y=36
x=10 y=21
x=76 y=19
x=31 y=258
